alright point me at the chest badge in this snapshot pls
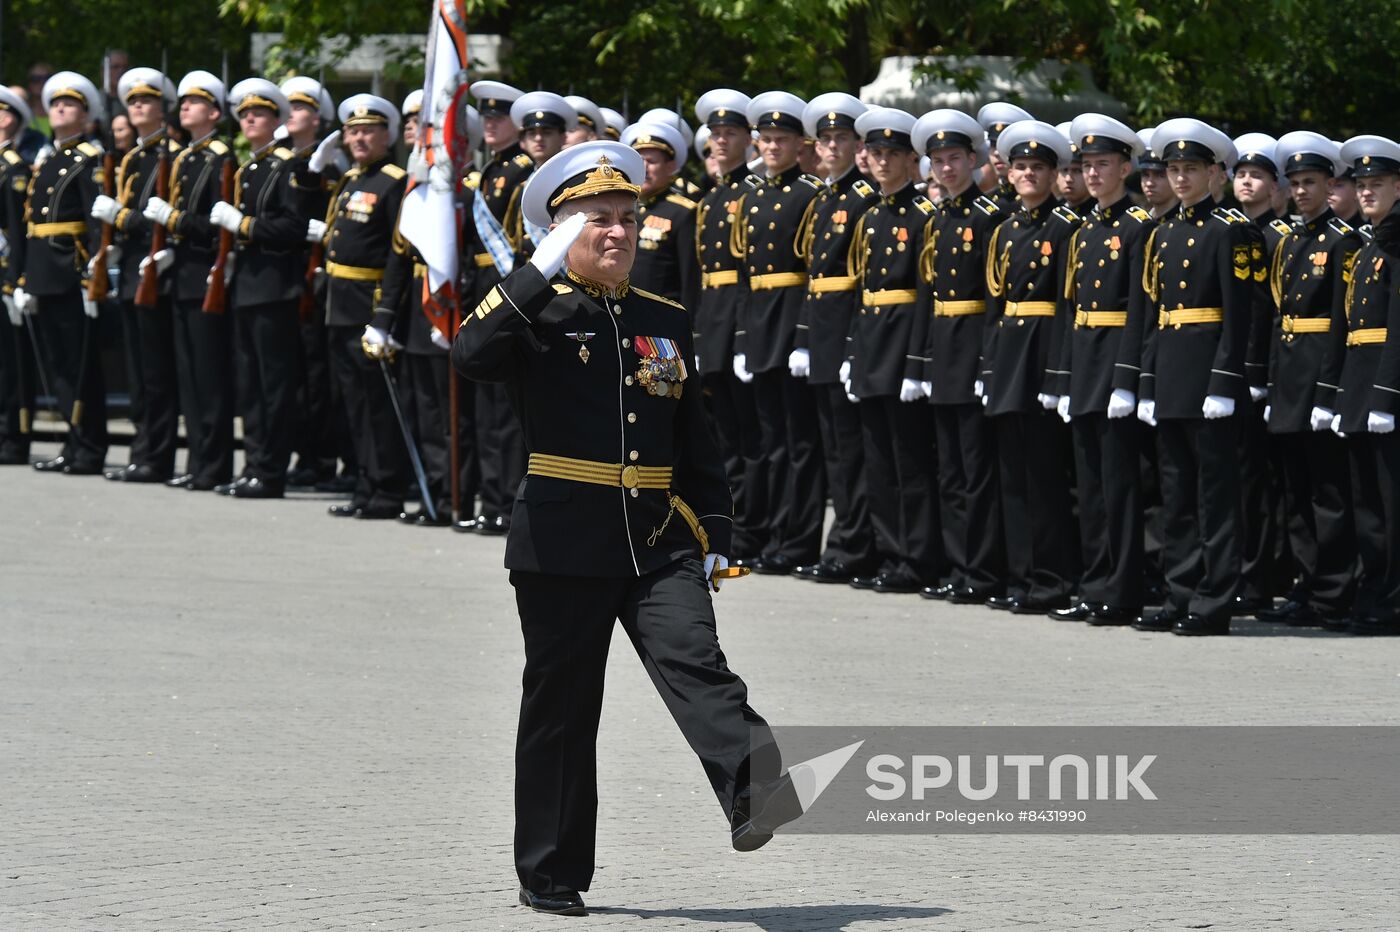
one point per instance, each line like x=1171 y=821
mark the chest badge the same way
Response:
x=661 y=369
x=582 y=339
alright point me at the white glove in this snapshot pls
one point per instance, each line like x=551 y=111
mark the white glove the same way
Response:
x=844 y=373
x=1268 y=412
x=1121 y=403
x=373 y=341
x=105 y=208
x=549 y=256
x=440 y=341
x=800 y=363
x=1337 y=425
x=741 y=371
x=1217 y=406
x=114 y=257
x=393 y=344
x=1147 y=412
x=1258 y=394
x=228 y=272
x=909 y=390
x=4 y=244
x=89 y=306
x=1377 y=422
x=227 y=216
x=157 y=211
x=24 y=301
x=715 y=561
x=927 y=388
x=1321 y=418
x=315 y=231
x=1062 y=408
x=324 y=152
x=850 y=395
x=978 y=388
x=281 y=132
x=1048 y=402
x=164 y=260
x=11 y=308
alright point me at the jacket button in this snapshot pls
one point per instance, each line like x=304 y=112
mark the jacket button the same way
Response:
x=631 y=417
x=635 y=492
x=626 y=343
x=632 y=456
x=627 y=380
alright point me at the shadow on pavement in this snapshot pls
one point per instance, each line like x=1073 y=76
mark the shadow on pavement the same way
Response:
x=830 y=918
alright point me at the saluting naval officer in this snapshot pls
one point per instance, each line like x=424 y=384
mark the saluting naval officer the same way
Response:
x=1368 y=395
x=1102 y=358
x=1198 y=277
x=17 y=363
x=995 y=117
x=666 y=261
x=823 y=330
x=624 y=516
x=968 y=499
x=1309 y=272
x=63 y=240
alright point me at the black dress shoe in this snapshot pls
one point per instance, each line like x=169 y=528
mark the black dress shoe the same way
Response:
x=304 y=477
x=52 y=465
x=804 y=571
x=966 y=595
x=145 y=475
x=776 y=565
x=753 y=562
x=1162 y=620
x=941 y=593
x=830 y=572
x=1243 y=606
x=338 y=485
x=423 y=519
x=82 y=469
x=757 y=815
x=898 y=583
x=257 y=488
x=1081 y=612
x=182 y=481
x=1194 y=625
x=466 y=525
x=1002 y=603
x=863 y=582
x=118 y=474
x=1374 y=626
x=343 y=510
x=378 y=512
x=491 y=524
x=1280 y=612
x=201 y=485
x=1028 y=606
x=227 y=488
x=1105 y=615
x=563 y=903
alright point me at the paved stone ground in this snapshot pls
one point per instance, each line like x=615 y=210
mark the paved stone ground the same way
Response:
x=248 y=715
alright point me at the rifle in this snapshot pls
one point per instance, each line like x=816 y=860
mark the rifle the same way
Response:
x=101 y=283
x=215 y=297
x=307 y=308
x=148 y=291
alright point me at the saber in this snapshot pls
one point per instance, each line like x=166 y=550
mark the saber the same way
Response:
x=413 y=457
x=39 y=362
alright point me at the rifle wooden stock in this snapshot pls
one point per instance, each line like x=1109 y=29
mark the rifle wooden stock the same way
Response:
x=215 y=298
x=100 y=283
x=307 y=308
x=148 y=290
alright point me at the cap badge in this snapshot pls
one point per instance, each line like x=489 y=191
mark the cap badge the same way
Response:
x=1365 y=160
x=776 y=114
x=1089 y=139
x=889 y=132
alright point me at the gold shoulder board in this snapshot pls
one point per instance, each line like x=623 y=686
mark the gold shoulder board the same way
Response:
x=656 y=297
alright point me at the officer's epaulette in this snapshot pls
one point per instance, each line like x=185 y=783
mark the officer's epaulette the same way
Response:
x=753 y=181
x=1065 y=214
x=173 y=145
x=685 y=202
x=863 y=188
x=924 y=205
x=218 y=147
x=692 y=189
x=1340 y=227
x=283 y=153
x=91 y=149
x=988 y=206
x=472 y=181
x=1281 y=227
x=561 y=288
x=1224 y=216
x=1138 y=214
x=656 y=297
x=812 y=180
x=522 y=161
x=1367 y=232
x=1238 y=214
x=12 y=157
x=394 y=171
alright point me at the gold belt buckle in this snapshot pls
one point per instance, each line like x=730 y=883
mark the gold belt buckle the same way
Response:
x=631 y=478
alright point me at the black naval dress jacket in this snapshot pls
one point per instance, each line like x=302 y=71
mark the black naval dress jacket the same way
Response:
x=824 y=325
x=1027 y=262
x=268 y=263
x=890 y=329
x=666 y=262
x=500 y=184
x=14 y=187
x=602 y=387
x=1268 y=229
x=362 y=285
x=62 y=234
x=135 y=185
x=1199 y=279
x=716 y=314
x=767 y=239
x=1309 y=275
x=195 y=179
x=957 y=257
x=1370 y=320
x=1104 y=290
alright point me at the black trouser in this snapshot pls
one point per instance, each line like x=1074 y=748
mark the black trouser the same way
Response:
x=423 y=397
x=969 y=505
x=1154 y=518
x=269 y=354
x=1199 y=465
x=1258 y=506
x=468 y=462
x=899 y=475
x=155 y=328
x=322 y=434
x=1375 y=489
x=68 y=339
x=790 y=439
x=1036 y=517
x=17 y=380
x=735 y=417
x=1316 y=482
x=851 y=539
x=567 y=623
x=384 y=471
x=500 y=448
x=204 y=359
x=135 y=382
x=1106 y=453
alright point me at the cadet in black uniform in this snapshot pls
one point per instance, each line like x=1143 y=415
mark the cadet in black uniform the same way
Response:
x=1101 y=356
x=1026 y=276
x=268 y=278
x=1310 y=270
x=203 y=339
x=823 y=330
x=995 y=117
x=17 y=363
x=969 y=505
x=1199 y=283
x=150 y=331
x=666 y=261
x=887 y=365
x=624 y=515
x=63 y=240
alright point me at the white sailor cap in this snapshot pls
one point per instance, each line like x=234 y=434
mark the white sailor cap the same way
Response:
x=370 y=110
x=1301 y=150
x=588 y=114
x=614 y=124
x=543 y=109
x=1257 y=149
x=996 y=116
x=73 y=86
x=723 y=106
x=777 y=110
x=702 y=142
x=1033 y=139
x=203 y=85
x=886 y=127
x=145 y=82
x=303 y=90
x=947 y=129
x=1371 y=155
x=1095 y=133
x=670 y=118
x=493 y=97
x=15 y=104
x=833 y=110
x=925 y=166
x=413 y=103
x=475 y=133
x=1150 y=158
x=595 y=167
x=259 y=92
x=1187 y=139
x=661 y=136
